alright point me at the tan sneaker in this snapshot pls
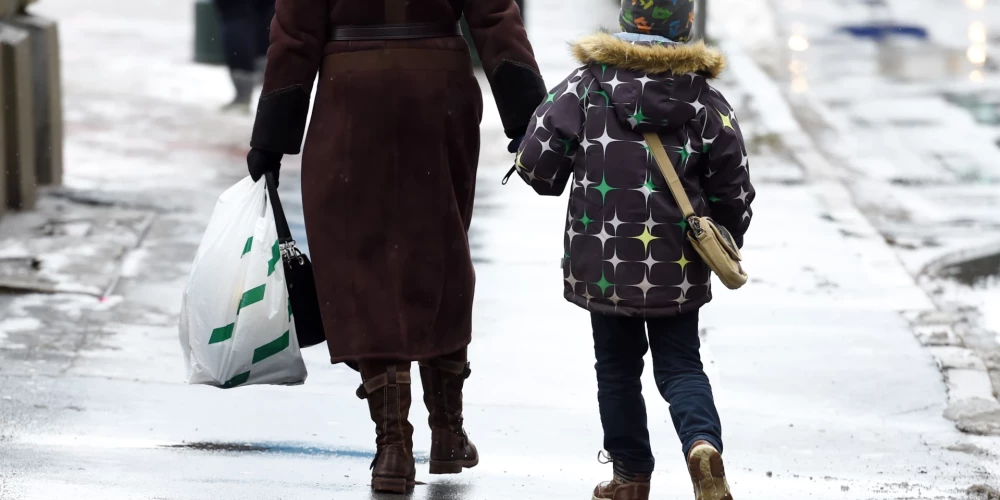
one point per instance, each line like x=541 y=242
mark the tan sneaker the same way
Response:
x=707 y=473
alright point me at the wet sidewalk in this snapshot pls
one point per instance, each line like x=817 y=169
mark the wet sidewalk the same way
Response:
x=909 y=130
x=824 y=390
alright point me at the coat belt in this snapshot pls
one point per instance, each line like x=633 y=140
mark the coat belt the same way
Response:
x=401 y=58
x=395 y=31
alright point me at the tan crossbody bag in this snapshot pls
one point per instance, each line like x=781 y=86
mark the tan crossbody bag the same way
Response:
x=714 y=243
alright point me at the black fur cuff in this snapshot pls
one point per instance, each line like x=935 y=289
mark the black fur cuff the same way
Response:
x=518 y=90
x=281 y=120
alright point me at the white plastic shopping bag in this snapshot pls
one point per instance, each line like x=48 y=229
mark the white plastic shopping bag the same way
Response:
x=236 y=325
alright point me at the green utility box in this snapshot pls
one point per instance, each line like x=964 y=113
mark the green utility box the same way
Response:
x=207 y=35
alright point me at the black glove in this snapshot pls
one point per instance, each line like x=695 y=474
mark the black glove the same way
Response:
x=260 y=161
x=515 y=144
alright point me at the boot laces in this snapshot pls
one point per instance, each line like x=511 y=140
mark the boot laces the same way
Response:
x=604 y=458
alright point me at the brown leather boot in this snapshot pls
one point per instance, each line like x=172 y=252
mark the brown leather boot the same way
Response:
x=443 y=379
x=387 y=389
x=620 y=489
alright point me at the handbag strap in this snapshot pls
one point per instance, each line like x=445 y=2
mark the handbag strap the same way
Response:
x=284 y=234
x=669 y=174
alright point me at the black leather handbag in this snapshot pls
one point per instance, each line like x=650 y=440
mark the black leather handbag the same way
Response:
x=298 y=276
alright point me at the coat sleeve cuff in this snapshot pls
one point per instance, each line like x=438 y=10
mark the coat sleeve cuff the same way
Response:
x=281 y=120
x=518 y=90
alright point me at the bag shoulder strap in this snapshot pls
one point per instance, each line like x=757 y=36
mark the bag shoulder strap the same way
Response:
x=669 y=174
x=284 y=234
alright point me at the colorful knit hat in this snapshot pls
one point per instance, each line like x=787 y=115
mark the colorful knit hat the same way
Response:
x=671 y=19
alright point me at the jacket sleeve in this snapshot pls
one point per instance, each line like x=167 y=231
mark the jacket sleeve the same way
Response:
x=298 y=36
x=545 y=158
x=498 y=32
x=726 y=178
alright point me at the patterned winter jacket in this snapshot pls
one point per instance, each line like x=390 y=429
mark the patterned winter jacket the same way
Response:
x=626 y=253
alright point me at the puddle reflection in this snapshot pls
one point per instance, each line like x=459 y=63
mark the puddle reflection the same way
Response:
x=283 y=449
x=432 y=491
x=981 y=272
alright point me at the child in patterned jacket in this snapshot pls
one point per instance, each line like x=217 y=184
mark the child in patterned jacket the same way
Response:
x=627 y=259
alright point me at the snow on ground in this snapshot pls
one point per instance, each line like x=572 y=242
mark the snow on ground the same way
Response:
x=909 y=127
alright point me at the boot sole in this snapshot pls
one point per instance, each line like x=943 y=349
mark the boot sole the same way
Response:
x=392 y=485
x=708 y=474
x=452 y=467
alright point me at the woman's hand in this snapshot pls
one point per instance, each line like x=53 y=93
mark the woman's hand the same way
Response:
x=259 y=162
x=515 y=144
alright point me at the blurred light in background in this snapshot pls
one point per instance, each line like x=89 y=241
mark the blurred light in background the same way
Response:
x=798 y=69
x=977 y=54
x=975 y=4
x=800 y=85
x=798 y=43
x=977 y=51
x=977 y=32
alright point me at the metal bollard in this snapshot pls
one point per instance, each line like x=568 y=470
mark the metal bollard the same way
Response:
x=19 y=128
x=3 y=139
x=47 y=82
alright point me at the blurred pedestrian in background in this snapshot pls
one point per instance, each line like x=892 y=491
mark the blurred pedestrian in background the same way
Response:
x=628 y=260
x=388 y=183
x=245 y=26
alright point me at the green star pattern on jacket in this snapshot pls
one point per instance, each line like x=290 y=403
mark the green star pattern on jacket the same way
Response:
x=634 y=260
x=604 y=189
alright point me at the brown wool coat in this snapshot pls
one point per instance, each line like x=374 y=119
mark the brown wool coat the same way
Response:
x=390 y=159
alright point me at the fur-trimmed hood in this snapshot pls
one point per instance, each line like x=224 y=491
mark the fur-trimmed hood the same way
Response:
x=679 y=59
x=650 y=86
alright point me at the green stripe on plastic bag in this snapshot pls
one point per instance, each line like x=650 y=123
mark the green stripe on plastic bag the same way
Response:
x=237 y=380
x=248 y=246
x=251 y=296
x=260 y=354
x=275 y=258
x=271 y=348
x=222 y=334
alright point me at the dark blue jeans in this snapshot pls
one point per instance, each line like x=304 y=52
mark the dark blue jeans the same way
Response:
x=620 y=344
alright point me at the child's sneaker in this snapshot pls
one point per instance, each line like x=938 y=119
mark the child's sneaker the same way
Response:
x=620 y=489
x=707 y=473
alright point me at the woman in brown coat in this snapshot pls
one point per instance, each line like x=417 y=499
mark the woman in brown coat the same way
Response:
x=388 y=181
